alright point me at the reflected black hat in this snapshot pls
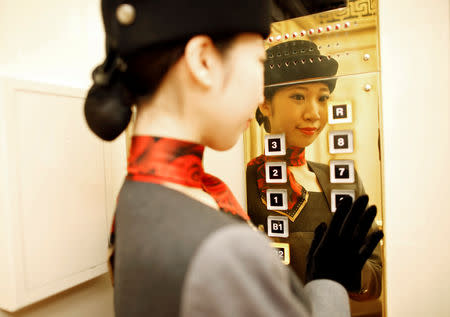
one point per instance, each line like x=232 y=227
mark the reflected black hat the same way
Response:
x=298 y=60
x=133 y=24
x=292 y=61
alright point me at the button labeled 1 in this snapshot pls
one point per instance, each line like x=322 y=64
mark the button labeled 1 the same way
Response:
x=342 y=171
x=276 y=199
x=337 y=195
x=277 y=226
x=339 y=113
x=276 y=172
x=274 y=145
x=340 y=141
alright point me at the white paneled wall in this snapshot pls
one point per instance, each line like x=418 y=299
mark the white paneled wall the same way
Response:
x=56 y=42
x=58 y=189
x=415 y=90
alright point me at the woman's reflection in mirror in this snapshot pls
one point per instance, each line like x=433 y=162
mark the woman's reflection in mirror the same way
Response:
x=299 y=109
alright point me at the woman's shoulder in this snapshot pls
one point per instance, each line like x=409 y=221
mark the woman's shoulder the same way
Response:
x=138 y=197
x=319 y=166
x=254 y=165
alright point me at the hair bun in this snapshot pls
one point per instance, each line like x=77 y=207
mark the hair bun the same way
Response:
x=108 y=110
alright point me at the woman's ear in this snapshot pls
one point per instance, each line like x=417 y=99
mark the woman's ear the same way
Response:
x=266 y=108
x=200 y=57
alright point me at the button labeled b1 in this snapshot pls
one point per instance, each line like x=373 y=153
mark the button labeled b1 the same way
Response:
x=277 y=226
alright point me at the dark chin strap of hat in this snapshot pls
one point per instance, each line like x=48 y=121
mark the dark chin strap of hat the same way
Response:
x=112 y=66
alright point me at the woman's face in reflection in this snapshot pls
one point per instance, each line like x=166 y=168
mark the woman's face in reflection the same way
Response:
x=299 y=111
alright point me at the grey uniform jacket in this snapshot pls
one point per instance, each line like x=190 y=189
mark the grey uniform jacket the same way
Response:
x=177 y=257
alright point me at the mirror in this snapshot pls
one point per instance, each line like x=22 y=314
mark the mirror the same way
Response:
x=317 y=137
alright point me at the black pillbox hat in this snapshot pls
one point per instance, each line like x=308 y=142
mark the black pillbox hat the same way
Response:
x=133 y=24
x=298 y=60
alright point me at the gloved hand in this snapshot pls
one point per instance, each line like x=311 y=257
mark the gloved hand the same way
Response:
x=339 y=252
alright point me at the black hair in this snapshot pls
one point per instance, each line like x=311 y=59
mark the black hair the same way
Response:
x=109 y=101
x=269 y=92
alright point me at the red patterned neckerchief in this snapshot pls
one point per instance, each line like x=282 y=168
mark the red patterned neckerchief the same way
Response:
x=297 y=194
x=165 y=160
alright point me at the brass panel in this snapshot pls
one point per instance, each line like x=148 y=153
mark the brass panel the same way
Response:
x=347 y=35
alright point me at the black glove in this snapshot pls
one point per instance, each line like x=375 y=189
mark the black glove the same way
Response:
x=340 y=252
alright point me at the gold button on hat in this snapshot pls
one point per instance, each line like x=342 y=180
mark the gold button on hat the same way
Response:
x=126 y=14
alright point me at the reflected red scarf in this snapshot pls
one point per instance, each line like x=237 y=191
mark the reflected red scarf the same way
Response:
x=297 y=194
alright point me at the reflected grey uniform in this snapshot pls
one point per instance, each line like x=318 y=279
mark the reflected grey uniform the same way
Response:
x=317 y=210
x=178 y=257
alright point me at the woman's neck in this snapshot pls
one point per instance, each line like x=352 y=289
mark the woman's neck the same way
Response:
x=159 y=124
x=296 y=148
x=165 y=116
x=306 y=178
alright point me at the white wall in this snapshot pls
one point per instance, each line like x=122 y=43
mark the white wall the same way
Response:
x=56 y=42
x=51 y=41
x=415 y=88
x=229 y=167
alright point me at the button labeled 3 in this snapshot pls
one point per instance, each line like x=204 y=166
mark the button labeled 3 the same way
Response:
x=274 y=145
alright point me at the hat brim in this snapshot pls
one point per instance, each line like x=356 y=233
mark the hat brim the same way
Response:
x=299 y=68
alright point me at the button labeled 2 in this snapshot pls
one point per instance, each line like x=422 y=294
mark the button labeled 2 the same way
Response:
x=276 y=172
